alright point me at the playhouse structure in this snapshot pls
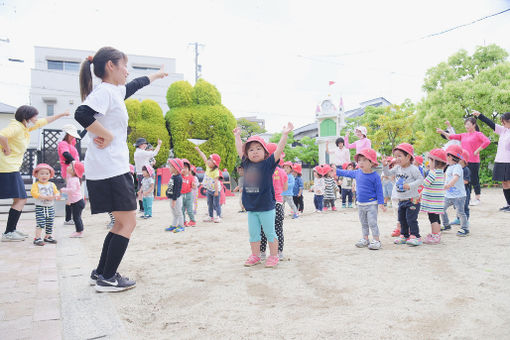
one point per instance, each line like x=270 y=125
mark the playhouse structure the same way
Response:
x=330 y=121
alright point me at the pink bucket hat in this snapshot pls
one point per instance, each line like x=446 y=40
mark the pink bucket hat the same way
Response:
x=79 y=168
x=362 y=129
x=150 y=169
x=271 y=148
x=176 y=163
x=455 y=150
x=438 y=155
x=216 y=159
x=369 y=154
x=257 y=139
x=406 y=147
x=41 y=166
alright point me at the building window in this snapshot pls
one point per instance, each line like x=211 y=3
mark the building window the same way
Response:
x=145 y=68
x=50 y=109
x=327 y=128
x=67 y=66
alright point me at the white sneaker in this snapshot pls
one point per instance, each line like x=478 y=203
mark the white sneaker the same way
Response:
x=12 y=237
x=20 y=233
x=280 y=255
x=262 y=256
x=70 y=222
x=374 y=245
x=208 y=219
x=474 y=202
x=217 y=219
x=362 y=243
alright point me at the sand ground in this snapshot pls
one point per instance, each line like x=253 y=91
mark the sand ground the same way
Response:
x=193 y=285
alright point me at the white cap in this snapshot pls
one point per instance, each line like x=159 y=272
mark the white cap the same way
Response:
x=362 y=129
x=71 y=130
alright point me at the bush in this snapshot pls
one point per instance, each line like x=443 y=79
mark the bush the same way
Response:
x=146 y=120
x=209 y=120
x=179 y=94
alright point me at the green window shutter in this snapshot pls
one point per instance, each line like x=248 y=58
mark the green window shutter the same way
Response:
x=327 y=128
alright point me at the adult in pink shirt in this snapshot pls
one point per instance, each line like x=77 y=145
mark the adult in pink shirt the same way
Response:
x=66 y=154
x=501 y=171
x=473 y=141
x=362 y=143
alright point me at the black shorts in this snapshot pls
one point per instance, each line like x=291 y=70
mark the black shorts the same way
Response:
x=112 y=194
x=501 y=172
x=434 y=218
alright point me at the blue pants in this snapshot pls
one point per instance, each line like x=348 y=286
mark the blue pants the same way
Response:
x=408 y=218
x=318 y=200
x=147 y=206
x=468 y=198
x=458 y=203
x=264 y=219
x=213 y=203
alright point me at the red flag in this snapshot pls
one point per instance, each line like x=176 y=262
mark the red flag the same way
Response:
x=341 y=106
x=317 y=109
x=331 y=82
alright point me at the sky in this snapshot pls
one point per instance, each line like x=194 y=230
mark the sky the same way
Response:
x=269 y=58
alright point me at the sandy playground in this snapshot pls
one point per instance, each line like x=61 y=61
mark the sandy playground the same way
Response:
x=193 y=285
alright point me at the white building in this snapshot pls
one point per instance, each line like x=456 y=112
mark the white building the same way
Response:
x=55 y=84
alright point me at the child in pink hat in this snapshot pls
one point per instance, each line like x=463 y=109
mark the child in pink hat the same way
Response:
x=211 y=183
x=362 y=143
x=369 y=196
x=173 y=192
x=146 y=192
x=408 y=180
x=75 y=172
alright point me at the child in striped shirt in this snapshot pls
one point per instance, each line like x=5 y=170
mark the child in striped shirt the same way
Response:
x=432 y=196
x=330 y=187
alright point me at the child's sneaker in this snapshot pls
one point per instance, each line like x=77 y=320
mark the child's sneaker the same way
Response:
x=431 y=239
x=171 y=228
x=70 y=222
x=115 y=284
x=324 y=209
x=280 y=255
x=252 y=260
x=110 y=225
x=344 y=206
x=38 y=242
x=178 y=229
x=395 y=232
x=208 y=219
x=12 y=237
x=446 y=227
x=50 y=239
x=455 y=222
x=334 y=208
x=192 y=224
x=272 y=262
x=186 y=224
x=463 y=232
x=318 y=211
x=262 y=256
x=374 y=245
x=414 y=241
x=362 y=243
x=76 y=234
x=217 y=219
x=295 y=216
x=349 y=205
x=400 y=240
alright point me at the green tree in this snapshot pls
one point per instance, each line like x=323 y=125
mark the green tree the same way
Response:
x=197 y=113
x=304 y=150
x=478 y=82
x=248 y=128
x=146 y=120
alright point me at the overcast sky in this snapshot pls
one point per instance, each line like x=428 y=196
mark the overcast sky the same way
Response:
x=268 y=58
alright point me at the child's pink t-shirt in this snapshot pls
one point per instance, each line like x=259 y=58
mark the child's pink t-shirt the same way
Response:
x=472 y=141
x=279 y=180
x=361 y=144
x=503 y=153
x=72 y=189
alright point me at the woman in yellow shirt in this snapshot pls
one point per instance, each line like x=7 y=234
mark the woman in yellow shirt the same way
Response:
x=14 y=140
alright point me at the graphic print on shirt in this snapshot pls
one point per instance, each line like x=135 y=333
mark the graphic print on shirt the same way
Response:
x=401 y=178
x=252 y=180
x=170 y=188
x=45 y=190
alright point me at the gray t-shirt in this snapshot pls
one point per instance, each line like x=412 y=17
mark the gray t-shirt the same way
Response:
x=409 y=175
x=458 y=190
x=146 y=185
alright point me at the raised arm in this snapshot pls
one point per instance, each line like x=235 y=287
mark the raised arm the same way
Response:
x=283 y=140
x=484 y=119
x=51 y=119
x=201 y=154
x=239 y=142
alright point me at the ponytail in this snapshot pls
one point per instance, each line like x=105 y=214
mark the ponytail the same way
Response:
x=102 y=56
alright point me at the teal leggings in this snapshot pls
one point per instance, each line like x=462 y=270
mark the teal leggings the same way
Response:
x=264 y=219
x=187 y=206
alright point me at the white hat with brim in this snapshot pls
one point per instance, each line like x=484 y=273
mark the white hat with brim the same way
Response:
x=71 y=130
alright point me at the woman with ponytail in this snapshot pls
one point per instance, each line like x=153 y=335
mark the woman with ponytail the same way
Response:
x=473 y=141
x=104 y=115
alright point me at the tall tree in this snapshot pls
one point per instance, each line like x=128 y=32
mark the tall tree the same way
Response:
x=248 y=128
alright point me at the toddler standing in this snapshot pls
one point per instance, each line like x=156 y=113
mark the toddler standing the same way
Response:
x=146 y=192
x=298 y=188
x=45 y=193
x=258 y=192
x=173 y=192
x=318 y=188
x=75 y=172
x=289 y=192
x=194 y=189
x=370 y=195
x=408 y=179
x=212 y=185
x=329 y=188
x=347 y=185
x=432 y=196
x=188 y=181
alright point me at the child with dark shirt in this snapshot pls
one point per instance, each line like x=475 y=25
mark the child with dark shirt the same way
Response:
x=173 y=192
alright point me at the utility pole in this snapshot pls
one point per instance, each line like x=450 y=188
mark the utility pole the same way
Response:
x=198 y=67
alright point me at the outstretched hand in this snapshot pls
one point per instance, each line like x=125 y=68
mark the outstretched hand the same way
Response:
x=237 y=131
x=438 y=130
x=161 y=73
x=287 y=129
x=476 y=113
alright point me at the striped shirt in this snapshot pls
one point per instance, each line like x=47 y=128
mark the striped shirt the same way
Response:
x=329 y=191
x=432 y=196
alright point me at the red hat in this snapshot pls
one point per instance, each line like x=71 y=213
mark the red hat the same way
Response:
x=79 y=168
x=41 y=166
x=454 y=150
x=369 y=154
x=288 y=163
x=131 y=168
x=185 y=161
x=318 y=169
x=216 y=159
x=150 y=169
x=177 y=164
x=325 y=169
x=257 y=139
x=465 y=155
x=406 y=147
x=271 y=148
x=193 y=168
x=438 y=155
x=345 y=165
x=297 y=168
x=419 y=159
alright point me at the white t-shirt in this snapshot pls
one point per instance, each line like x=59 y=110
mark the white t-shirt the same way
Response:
x=142 y=157
x=108 y=100
x=342 y=156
